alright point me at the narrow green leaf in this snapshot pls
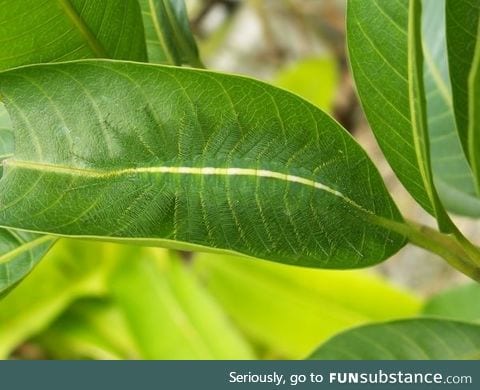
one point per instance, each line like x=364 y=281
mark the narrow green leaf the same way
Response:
x=474 y=109
x=89 y=329
x=452 y=174
x=387 y=63
x=169 y=314
x=462 y=21
x=313 y=304
x=460 y=303
x=189 y=159
x=33 y=31
x=69 y=271
x=167 y=29
x=415 y=339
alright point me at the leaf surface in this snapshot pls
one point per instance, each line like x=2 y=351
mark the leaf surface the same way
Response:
x=319 y=302
x=452 y=174
x=462 y=23
x=460 y=303
x=39 y=31
x=189 y=159
x=387 y=62
x=413 y=339
x=167 y=29
x=33 y=31
x=68 y=272
x=169 y=314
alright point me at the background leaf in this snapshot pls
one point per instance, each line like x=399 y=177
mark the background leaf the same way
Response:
x=71 y=270
x=452 y=174
x=462 y=19
x=314 y=79
x=460 y=303
x=167 y=29
x=158 y=163
x=287 y=310
x=169 y=314
x=415 y=339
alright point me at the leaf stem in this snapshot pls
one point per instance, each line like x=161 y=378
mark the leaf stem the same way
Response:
x=454 y=248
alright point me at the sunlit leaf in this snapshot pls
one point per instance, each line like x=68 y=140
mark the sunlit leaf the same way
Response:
x=415 y=339
x=169 y=314
x=190 y=159
x=315 y=79
x=70 y=270
x=461 y=303
x=289 y=311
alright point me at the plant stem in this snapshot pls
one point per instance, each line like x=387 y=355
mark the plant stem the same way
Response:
x=454 y=248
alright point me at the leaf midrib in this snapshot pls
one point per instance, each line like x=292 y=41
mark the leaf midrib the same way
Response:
x=90 y=38
x=180 y=170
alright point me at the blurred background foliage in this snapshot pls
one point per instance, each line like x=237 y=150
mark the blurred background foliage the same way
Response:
x=91 y=300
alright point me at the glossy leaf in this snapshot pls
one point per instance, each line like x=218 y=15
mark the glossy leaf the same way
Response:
x=387 y=63
x=35 y=31
x=415 y=339
x=312 y=304
x=462 y=23
x=452 y=173
x=189 y=159
x=68 y=272
x=167 y=29
x=315 y=79
x=461 y=303
x=169 y=314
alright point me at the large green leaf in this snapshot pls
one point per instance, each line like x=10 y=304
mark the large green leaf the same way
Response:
x=189 y=159
x=33 y=31
x=71 y=269
x=462 y=23
x=387 y=63
x=169 y=314
x=474 y=108
x=312 y=304
x=452 y=174
x=461 y=303
x=415 y=339
x=167 y=29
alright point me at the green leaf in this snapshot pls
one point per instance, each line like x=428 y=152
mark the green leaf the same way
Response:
x=169 y=314
x=413 y=339
x=167 y=29
x=189 y=159
x=315 y=79
x=89 y=329
x=452 y=173
x=387 y=63
x=313 y=304
x=68 y=272
x=462 y=23
x=474 y=109
x=19 y=253
x=35 y=31
x=459 y=303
